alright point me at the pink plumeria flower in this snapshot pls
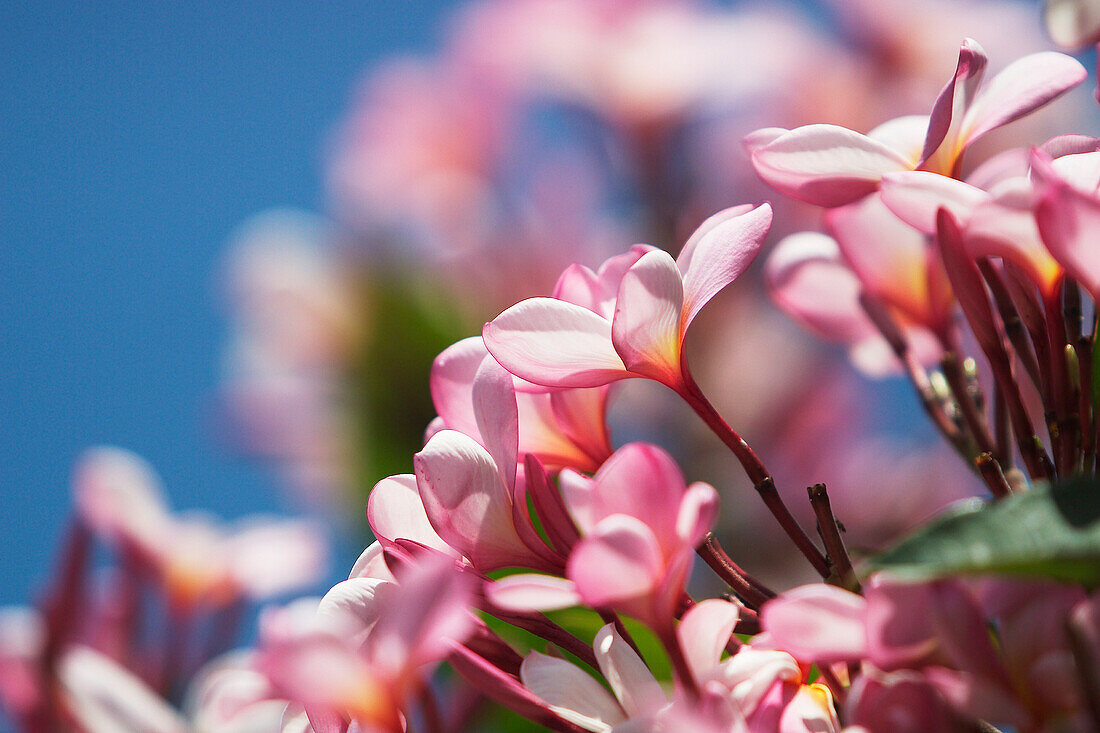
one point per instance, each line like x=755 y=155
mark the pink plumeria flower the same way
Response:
x=639 y=526
x=810 y=278
x=200 y=562
x=831 y=166
x=468 y=497
x=363 y=652
x=634 y=322
x=764 y=686
x=998 y=204
x=563 y=428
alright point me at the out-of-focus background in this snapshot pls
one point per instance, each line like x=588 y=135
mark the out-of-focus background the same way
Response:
x=135 y=138
x=234 y=236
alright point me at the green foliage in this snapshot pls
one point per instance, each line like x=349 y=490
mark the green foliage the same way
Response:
x=1044 y=533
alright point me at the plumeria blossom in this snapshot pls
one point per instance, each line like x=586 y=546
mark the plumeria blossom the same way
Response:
x=199 y=562
x=939 y=630
x=615 y=324
x=749 y=690
x=1072 y=23
x=639 y=525
x=822 y=281
x=468 y=497
x=363 y=652
x=230 y=695
x=831 y=166
x=563 y=428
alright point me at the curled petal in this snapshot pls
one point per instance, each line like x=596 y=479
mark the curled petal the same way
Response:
x=950 y=107
x=119 y=495
x=646 y=328
x=718 y=253
x=452 y=382
x=817 y=623
x=704 y=632
x=826 y=165
x=396 y=511
x=497 y=415
x=555 y=344
x=698 y=513
x=467 y=502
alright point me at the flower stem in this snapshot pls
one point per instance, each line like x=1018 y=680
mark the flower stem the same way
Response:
x=757 y=473
x=830 y=534
x=751 y=591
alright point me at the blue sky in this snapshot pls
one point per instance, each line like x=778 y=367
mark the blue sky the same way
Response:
x=133 y=138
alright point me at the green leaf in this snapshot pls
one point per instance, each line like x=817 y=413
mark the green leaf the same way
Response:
x=1044 y=533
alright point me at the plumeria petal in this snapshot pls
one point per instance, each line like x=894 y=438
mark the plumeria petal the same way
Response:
x=807 y=278
x=1005 y=227
x=371 y=562
x=646 y=328
x=570 y=692
x=904 y=134
x=494 y=400
x=703 y=633
x=817 y=623
x=630 y=679
x=619 y=562
x=890 y=258
x=355 y=604
x=581 y=415
x=1019 y=89
x=719 y=251
x=105 y=698
x=643 y=481
x=916 y=196
x=467 y=501
x=452 y=381
x=422 y=616
x=697 y=514
x=950 y=107
x=273 y=557
x=826 y=165
x=395 y=510
x=533 y=592
x=555 y=344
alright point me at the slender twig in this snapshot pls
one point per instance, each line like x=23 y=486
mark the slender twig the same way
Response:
x=993 y=475
x=830 y=534
x=926 y=393
x=1010 y=318
x=747 y=588
x=975 y=420
x=754 y=468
